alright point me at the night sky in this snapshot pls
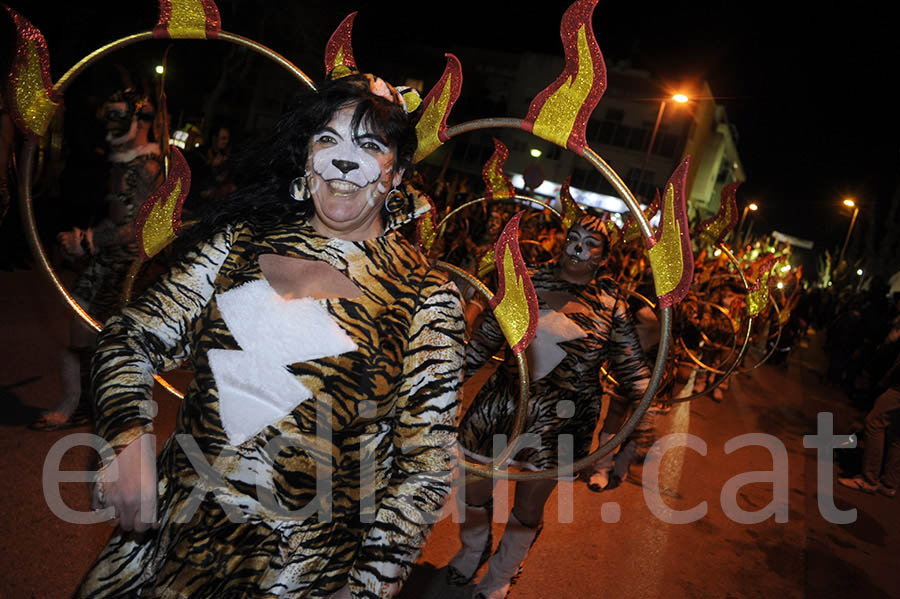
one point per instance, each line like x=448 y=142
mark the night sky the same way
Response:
x=809 y=86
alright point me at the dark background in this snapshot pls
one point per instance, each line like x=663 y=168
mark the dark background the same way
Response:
x=809 y=86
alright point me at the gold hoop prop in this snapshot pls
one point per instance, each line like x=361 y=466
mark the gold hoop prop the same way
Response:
x=727 y=372
x=495 y=468
x=696 y=360
x=28 y=155
x=766 y=357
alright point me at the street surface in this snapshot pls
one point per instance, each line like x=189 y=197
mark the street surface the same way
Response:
x=620 y=543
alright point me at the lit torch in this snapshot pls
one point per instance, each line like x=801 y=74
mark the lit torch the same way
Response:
x=670 y=252
x=431 y=130
x=560 y=113
x=159 y=219
x=713 y=230
x=515 y=305
x=188 y=19
x=32 y=99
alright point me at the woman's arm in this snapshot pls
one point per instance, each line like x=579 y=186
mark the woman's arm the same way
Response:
x=149 y=336
x=487 y=341
x=424 y=435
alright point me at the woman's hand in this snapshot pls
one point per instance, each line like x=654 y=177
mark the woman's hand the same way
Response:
x=133 y=493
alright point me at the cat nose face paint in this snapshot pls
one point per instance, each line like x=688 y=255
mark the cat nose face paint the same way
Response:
x=349 y=172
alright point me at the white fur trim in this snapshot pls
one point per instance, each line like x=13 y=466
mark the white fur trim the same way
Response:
x=255 y=387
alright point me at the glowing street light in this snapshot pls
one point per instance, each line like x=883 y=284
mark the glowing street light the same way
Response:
x=752 y=206
x=850 y=204
x=159 y=69
x=535 y=153
x=859 y=271
x=679 y=98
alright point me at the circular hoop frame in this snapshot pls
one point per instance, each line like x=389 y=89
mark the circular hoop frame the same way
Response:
x=727 y=372
x=494 y=469
x=28 y=155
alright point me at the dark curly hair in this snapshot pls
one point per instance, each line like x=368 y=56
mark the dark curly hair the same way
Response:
x=265 y=168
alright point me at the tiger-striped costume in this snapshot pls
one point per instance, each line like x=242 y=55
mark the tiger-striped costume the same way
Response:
x=133 y=176
x=389 y=406
x=598 y=326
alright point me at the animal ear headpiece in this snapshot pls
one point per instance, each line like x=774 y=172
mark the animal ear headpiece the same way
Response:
x=339 y=63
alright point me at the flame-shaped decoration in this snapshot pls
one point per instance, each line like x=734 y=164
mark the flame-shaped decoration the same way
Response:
x=425 y=228
x=612 y=232
x=630 y=230
x=188 y=19
x=32 y=99
x=560 y=113
x=497 y=184
x=713 y=230
x=758 y=296
x=670 y=253
x=431 y=130
x=339 y=61
x=486 y=264
x=159 y=219
x=515 y=305
x=570 y=209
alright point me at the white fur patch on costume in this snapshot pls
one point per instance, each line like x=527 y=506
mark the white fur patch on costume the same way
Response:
x=255 y=387
x=544 y=352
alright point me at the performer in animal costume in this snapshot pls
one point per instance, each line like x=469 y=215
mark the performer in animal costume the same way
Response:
x=314 y=443
x=135 y=170
x=584 y=321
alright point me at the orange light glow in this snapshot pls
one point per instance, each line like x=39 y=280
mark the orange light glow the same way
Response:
x=849 y=203
x=680 y=98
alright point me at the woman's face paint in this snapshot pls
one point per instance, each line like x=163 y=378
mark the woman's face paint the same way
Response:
x=583 y=251
x=120 y=122
x=349 y=173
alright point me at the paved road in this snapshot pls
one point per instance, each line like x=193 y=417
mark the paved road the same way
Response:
x=622 y=543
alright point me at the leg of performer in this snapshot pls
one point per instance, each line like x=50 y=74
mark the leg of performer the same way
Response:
x=521 y=532
x=474 y=533
x=73 y=409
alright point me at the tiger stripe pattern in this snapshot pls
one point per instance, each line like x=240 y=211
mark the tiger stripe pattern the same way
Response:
x=609 y=337
x=343 y=489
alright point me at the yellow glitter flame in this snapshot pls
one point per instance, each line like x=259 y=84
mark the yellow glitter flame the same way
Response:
x=665 y=257
x=498 y=186
x=430 y=123
x=556 y=119
x=486 y=264
x=31 y=97
x=157 y=232
x=758 y=297
x=512 y=310
x=427 y=233
x=187 y=20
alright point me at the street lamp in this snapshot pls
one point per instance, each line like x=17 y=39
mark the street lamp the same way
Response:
x=850 y=204
x=681 y=99
x=751 y=206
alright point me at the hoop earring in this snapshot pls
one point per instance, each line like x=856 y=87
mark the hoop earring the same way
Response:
x=298 y=189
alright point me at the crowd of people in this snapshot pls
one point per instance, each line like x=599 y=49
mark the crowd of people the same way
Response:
x=323 y=339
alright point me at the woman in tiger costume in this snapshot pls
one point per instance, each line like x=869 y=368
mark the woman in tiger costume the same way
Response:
x=314 y=442
x=584 y=322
